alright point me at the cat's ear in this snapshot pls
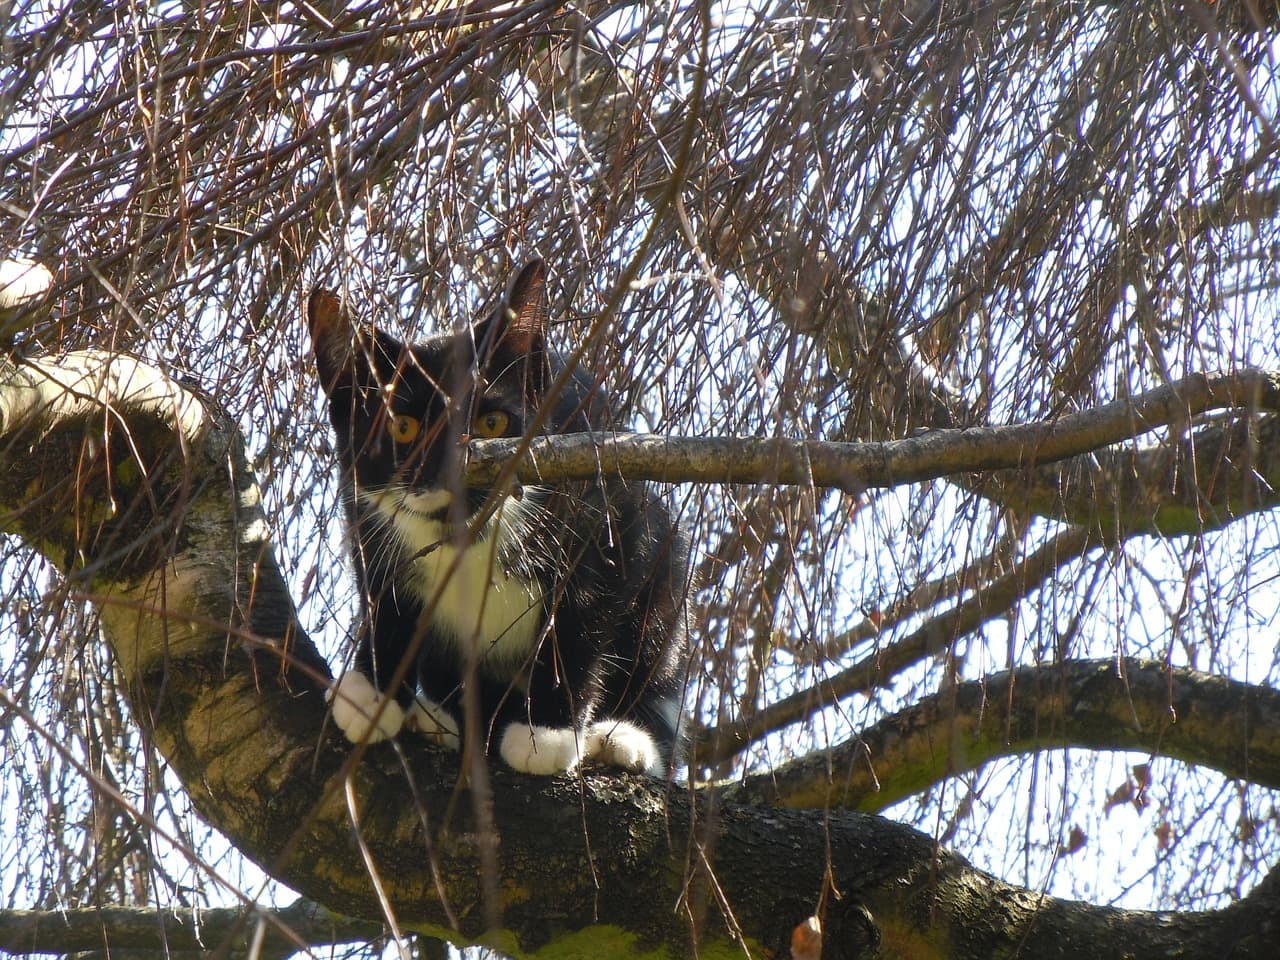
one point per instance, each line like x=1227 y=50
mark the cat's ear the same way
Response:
x=518 y=327
x=526 y=310
x=333 y=337
x=515 y=334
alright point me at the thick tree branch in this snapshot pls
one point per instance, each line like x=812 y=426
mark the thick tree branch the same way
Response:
x=1202 y=480
x=856 y=466
x=272 y=933
x=132 y=484
x=1200 y=719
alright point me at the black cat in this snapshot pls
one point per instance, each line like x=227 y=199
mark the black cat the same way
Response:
x=565 y=608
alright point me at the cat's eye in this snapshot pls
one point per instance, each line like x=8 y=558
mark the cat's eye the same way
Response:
x=403 y=428
x=491 y=424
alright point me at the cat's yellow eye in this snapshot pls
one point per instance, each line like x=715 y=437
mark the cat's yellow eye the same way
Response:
x=488 y=425
x=403 y=428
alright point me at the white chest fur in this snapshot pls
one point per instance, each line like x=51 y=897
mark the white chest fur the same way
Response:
x=472 y=601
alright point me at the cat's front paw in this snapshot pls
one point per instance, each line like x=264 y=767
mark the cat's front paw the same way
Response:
x=617 y=743
x=541 y=750
x=429 y=719
x=355 y=704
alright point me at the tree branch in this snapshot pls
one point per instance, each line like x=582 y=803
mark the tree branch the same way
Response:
x=1200 y=719
x=283 y=932
x=1202 y=481
x=856 y=466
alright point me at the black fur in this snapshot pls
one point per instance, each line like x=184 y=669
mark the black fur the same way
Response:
x=609 y=635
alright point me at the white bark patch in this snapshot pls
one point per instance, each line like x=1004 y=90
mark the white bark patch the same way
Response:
x=255 y=531
x=85 y=381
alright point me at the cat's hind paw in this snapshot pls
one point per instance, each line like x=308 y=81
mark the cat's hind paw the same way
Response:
x=542 y=750
x=355 y=702
x=429 y=719
x=617 y=743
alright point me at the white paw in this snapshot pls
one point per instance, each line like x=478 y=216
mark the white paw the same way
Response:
x=428 y=718
x=355 y=703
x=544 y=750
x=617 y=743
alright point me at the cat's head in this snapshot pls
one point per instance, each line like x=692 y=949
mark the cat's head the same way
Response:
x=402 y=413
